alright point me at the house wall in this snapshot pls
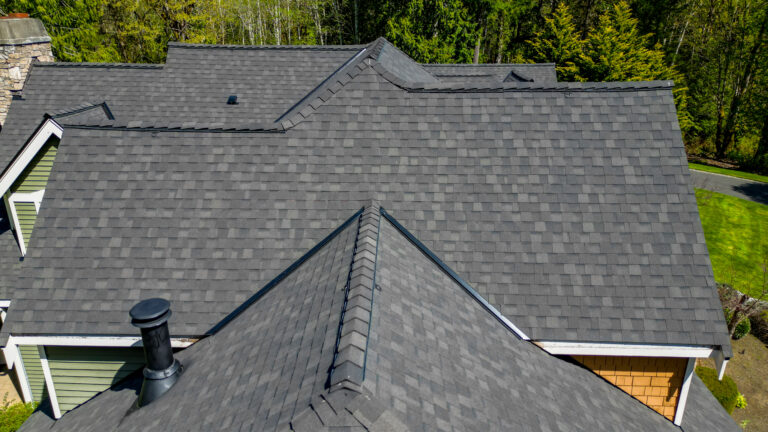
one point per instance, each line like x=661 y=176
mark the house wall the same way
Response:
x=34 y=370
x=79 y=373
x=654 y=381
x=27 y=215
x=35 y=175
x=32 y=179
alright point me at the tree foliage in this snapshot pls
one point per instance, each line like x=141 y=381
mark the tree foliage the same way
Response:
x=559 y=43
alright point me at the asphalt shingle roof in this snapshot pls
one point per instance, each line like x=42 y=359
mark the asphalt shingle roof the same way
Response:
x=567 y=205
x=454 y=73
x=436 y=360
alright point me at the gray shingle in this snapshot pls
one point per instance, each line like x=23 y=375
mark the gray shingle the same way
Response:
x=436 y=360
x=567 y=205
x=457 y=73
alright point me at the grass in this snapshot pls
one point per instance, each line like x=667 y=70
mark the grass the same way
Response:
x=747 y=368
x=736 y=231
x=728 y=172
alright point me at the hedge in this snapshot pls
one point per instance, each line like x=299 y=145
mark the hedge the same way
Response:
x=13 y=415
x=725 y=391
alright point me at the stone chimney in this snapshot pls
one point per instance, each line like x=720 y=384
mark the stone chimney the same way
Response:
x=22 y=40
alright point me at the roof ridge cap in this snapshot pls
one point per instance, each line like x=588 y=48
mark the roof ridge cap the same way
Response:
x=325 y=90
x=101 y=65
x=486 y=64
x=267 y=47
x=82 y=108
x=285 y=273
x=349 y=357
x=611 y=86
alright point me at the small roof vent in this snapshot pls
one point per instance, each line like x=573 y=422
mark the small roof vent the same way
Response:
x=162 y=370
x=232 y=100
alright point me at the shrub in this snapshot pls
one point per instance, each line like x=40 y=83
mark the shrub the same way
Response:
x=742 y=328
x=725 y=391
x=741 y=401
x=13 y=415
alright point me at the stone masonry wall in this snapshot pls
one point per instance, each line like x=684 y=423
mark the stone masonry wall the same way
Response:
x=654 y=381
x=14 y=66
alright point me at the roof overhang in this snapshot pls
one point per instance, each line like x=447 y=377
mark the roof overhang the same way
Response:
x=636 y=350
x=10 y=351
x=49 y=127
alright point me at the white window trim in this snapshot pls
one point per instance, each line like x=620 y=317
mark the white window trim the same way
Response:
x=23 y=197
x=49 y=382
x=39 y=138
x=687 y=378
x=625 y=350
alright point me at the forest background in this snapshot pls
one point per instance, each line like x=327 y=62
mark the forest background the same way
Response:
x=716 y=51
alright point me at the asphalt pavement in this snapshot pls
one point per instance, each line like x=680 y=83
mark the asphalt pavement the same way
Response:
x=733 y=186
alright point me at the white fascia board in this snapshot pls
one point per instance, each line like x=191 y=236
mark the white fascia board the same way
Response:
x=687 y=378
x=92 y=341
x=624 y=350
x=16 y=225
x=5 y=304
x=26 y=197
x=32 y=147
x=12 y=356
x=54 y=401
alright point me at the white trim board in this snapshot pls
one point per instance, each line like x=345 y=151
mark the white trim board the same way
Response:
x=48 y=128
x=680 y=410
x=624 y=350
x=11 y=352
x=49 y=382
x=21 y=373
x=26 y=197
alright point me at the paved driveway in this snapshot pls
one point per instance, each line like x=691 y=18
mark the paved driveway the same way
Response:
x=740 y=188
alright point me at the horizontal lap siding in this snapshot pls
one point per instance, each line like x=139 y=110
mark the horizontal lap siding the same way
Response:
x=32 y=179
x=35 y=175
x=79 y=373
x=27 y=215
x=34 y=370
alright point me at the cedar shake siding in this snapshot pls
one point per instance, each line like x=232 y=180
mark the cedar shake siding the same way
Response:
x=654 y=381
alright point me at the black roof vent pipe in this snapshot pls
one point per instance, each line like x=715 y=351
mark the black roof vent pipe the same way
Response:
x=162 y=370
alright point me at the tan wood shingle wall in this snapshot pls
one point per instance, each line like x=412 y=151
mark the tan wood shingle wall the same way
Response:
x=654 y=381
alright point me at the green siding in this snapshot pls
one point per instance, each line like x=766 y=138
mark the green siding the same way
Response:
x=79 y=373
x=27 y=215
x=31 y=358
x=35 y=175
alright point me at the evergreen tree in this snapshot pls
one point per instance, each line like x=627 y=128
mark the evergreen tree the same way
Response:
x=616 y=51
x=434 y=31
x=559 y=43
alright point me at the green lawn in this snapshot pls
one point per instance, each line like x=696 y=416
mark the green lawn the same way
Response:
x=737 y=238
x=730 y=172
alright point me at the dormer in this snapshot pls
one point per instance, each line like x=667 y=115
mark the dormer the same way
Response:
x=24 y=180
